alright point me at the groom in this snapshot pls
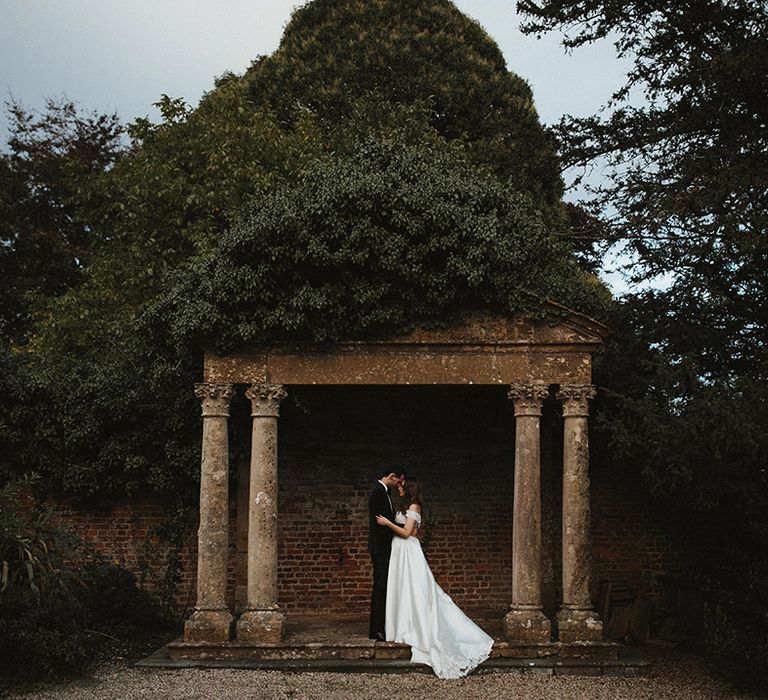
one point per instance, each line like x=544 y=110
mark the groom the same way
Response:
x=379 y=546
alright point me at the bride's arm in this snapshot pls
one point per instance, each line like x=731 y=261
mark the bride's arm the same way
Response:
x=405 y=532
x=401 y=531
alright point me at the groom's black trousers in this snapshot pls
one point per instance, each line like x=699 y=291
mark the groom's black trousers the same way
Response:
x=379 y=594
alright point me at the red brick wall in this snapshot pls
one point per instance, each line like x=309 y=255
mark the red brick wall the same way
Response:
x=127 y=534
x=459 y=442
x=630 y=543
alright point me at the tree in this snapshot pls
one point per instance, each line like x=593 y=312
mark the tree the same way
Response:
x=332 y=53
x=687 y=178
x=687 y=192
x=399 y=230
x=688 y=182
x=686 y=166
x=46 y=237
x=229 y=223
x=93 y=382
x=182 y=183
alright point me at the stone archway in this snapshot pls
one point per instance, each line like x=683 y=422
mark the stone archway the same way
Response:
x=525 y=355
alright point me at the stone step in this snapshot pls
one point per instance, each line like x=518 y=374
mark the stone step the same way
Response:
x=381 y=650
x=572 y=650
x=372 y=662
x=272 y=652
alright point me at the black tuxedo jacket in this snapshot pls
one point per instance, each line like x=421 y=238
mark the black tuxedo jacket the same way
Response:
x=379 y=536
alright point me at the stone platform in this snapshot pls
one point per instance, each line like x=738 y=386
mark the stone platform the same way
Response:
x=325 y=643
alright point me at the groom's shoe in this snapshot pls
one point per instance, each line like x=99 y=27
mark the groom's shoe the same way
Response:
x=380 y=637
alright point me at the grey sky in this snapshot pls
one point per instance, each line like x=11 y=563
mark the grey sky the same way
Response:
x=122 y=55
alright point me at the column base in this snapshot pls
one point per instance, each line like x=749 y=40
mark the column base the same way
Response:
x=261 y=627
x=527 y=625
x=578 y=625
x=212 y=626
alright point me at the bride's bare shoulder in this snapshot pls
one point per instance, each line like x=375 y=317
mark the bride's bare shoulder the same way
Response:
x=415 y=507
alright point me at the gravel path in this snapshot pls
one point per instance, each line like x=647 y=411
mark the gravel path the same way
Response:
x=675 y=674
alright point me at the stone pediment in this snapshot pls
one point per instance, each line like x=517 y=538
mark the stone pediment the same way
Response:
x=482 y=349
x=483 y=330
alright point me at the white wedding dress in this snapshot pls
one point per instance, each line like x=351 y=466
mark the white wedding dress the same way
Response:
x=422 y=614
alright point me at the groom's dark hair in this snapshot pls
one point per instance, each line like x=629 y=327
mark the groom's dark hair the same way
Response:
x=384 y=471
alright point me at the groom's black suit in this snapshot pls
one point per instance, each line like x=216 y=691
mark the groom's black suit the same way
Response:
x=379 y=546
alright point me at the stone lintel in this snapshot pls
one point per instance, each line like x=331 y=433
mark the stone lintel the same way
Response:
x=419 y=367
x=476 y=349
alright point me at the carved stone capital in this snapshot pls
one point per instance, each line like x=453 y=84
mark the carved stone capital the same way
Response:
x=214 y=398
x=265 y=399
x=528 y=398
x=575 y=398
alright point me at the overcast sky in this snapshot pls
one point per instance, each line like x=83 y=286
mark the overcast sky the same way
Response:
x=122 y=55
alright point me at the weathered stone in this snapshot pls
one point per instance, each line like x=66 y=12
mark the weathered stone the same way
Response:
x=392 y=651
x=617 y=626
x=516 y=350
x=538 y=670
x=339 y=640
x=211 y=626
x=588 y=650
x=641 y=618
x=272 y=652
x=211 y=620
x=261 y=621
x=578 y=626
x=527 y=625
x=482 y=350
x=561 y=670
x=508 y=650
x=576 y=621
x=525 y=622
x=261 y=627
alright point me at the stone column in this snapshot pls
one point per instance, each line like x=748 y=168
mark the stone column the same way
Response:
x=262 y=622
x=525 y=622
x=211 y=621
x=576 y=620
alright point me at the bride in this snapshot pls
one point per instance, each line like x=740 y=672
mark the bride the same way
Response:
x=419 y=612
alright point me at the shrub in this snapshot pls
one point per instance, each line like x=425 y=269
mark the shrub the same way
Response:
x=61 y=608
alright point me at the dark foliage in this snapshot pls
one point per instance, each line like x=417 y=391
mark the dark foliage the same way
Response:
x=46 y=237
x=333 y=53
x=70 y=629
x=686 y=164
x=392 y=235
x=102 y=408
x=683 y=143
x=699 y=447
x=61 y=608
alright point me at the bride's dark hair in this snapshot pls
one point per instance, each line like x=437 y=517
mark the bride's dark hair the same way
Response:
x=412 y=492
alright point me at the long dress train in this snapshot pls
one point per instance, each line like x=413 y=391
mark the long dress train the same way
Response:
x=422 y=614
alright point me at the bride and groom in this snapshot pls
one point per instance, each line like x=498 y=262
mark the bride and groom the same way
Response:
x=407 y=604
